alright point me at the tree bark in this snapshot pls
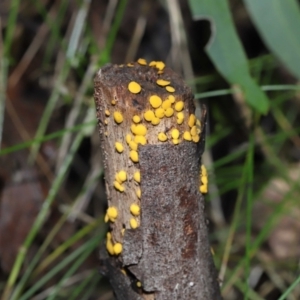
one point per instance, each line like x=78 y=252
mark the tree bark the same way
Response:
x=167 y=254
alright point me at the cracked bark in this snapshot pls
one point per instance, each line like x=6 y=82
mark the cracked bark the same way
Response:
x=169 y=253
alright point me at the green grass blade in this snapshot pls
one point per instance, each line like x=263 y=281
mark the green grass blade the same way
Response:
x=226 y=51
x=279 y=28
x=290 y=289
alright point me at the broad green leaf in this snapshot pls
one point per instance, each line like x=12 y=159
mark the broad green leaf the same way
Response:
x=226 y=51
x=278 y=22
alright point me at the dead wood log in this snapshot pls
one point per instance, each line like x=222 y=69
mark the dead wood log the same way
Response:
x=152 y=145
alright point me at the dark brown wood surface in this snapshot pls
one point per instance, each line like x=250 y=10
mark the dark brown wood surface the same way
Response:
x=169 y=253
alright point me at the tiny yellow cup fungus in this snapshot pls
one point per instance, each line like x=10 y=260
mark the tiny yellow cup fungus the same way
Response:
x=119 y=147
x=112 y=213
x=128 y=138
x=171 y=98
x=166 y=104
x=162 y=137
x=194 y=131
x=175 y=133
x=192 y=120
x=134 y=156
x=204 y=180
x=133 y=223
x=170 y=89
x=134 y=87
x=122 y=175
x=162 y=82
x=107 y=113
x=142 y=61
x=139 y=139
x=118 y=186
x=196 y=138
x=118 y=248
x=203 y=189
x=113 y=102
x=138 y=284
x=138 y=192
x=135 y=209
x=149 y=115
x=155 y=121
x=133 y=145
x=136 y=119
x=169 y=112
x=175 y=141
x=106 y=218
x=198 y=123
x=137 y=176
x=203 y=170
x=179 y=121
x=160 y=113
x=179 y=106
x=118 y=117
x=187 y=136
x=155 y=101
x=160 y=65
x=140 y=129
x=110 y=247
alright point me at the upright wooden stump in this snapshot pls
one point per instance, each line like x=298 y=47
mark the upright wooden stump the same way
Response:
x=152 y=145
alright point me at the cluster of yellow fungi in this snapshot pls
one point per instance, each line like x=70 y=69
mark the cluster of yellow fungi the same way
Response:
x=158 y=109
x=203 y=180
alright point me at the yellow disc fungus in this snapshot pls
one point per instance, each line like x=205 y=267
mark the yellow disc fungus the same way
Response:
x=106 y=121
x=180 y=115
x=179 y=121
x=142 y=61
x=118 y=117
x=203 y=170
x=166 y=104
x=112 y=213
x=136 y=119
x=192 y=120
x=152 y=63
x=179 y=106
x=113 y=102
x=155 y=121
x=170 y=89
x=171 y=98
x=133 y=145
x=135 y=209
x=133 y=223
x=110 y=247
x=187 y=136
x=130 y=65
x=162 y=82
x=169 y=112
x=128 y=138
x=196 y=138
x=204 y=180
x=162 y=137
x=134 y=87
x=203 y=189
x=160 y=113
x=134 y=156
x=194 y=131
x=175 y=141
x=107 y=113
x=137 y=176
x=160 y=65
x=175 y=134
x=118 y=186
x=198 y=123
x=139 y=139
x=138 y=284
x=140 y=129
x=155 y=101
x=122 y=175
x=149 y=115
x=123 y=231
x=118 y=248
x=123 y=271
x=119 y=147
x=138 y=192
x=106 y=218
